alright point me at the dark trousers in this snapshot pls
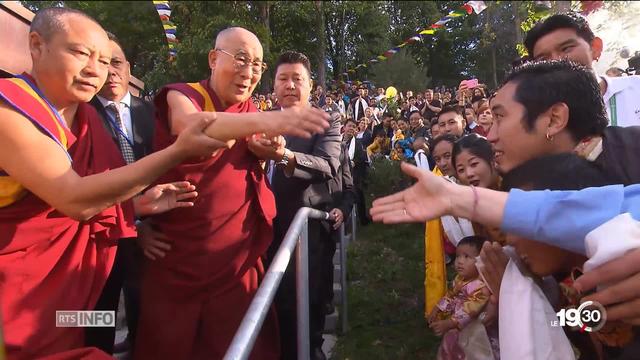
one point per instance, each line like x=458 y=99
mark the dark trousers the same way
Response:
x=124 y=276
x=361 y=206
x=327 y=267
x=319 y=242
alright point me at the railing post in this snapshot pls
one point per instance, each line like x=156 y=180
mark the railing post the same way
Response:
x=354 y=218
x=302 y=292
x=343 y=278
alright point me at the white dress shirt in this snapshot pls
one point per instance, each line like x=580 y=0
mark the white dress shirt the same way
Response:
x=626 y=91
x=124 y=107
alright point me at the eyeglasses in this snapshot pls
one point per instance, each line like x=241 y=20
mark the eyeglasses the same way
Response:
x=242 y=61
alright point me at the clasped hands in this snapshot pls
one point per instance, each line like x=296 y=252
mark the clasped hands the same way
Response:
x=268 y=148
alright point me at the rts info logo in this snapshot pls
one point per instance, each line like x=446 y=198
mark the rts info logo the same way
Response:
x=590 y=316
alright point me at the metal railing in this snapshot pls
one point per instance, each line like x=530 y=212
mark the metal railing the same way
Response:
x=344 y=243
x=296 y=238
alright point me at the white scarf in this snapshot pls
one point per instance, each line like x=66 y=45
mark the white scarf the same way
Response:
x=456 y=228
x=364 y=106
x=352 y=148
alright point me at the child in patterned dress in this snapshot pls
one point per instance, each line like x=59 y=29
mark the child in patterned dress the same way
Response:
x=463 y=302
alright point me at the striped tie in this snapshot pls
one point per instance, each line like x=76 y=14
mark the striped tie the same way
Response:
x=121 y=131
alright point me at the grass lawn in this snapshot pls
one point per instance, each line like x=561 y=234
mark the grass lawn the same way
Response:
x=386 y=296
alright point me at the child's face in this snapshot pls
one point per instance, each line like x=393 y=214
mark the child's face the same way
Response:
x=465 y=263
x=543 y=259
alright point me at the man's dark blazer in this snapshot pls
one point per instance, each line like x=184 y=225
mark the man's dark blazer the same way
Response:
x=142 y=123
x=341 y=186
x=317 y=162
x=360 y=165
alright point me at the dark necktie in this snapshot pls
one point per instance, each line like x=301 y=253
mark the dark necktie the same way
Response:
x=121 y=130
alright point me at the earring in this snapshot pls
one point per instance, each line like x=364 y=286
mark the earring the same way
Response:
x=549 y=137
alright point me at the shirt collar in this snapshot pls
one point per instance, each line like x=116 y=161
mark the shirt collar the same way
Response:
x=614 y=85
x=126 y=100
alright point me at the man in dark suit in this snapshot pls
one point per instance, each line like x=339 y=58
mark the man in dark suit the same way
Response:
x=299 y=172
x=359 y=167
x=129 y=120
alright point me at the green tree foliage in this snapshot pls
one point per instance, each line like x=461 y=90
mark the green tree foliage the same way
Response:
x=353 y=33
x=400 y=71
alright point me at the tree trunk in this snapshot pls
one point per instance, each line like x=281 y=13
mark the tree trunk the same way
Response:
x=267 y=78
x=494 y=70
x=518 y=22
x=320 y=30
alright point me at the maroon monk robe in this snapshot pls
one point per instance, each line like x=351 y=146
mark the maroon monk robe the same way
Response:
x=194 y=299
x=51 y=262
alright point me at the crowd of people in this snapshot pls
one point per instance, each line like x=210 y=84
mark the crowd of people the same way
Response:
x=552 y=125
x=182 y=204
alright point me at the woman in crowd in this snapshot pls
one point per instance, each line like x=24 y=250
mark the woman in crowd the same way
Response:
x=479 y=92
x=485 y=119
x=364 y=134
x=369 y=113
x=404 y=127
x=474 y=162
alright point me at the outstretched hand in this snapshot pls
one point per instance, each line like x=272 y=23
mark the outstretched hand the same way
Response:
x=427 y=199
x=165 y=197
x=297 y=121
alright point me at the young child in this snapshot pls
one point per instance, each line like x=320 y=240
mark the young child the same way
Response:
x=463 y=302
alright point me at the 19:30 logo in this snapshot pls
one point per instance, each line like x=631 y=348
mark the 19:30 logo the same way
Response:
x=590 y=316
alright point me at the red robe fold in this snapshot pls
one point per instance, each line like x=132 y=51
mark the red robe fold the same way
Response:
x=194 y=299
x=51 y=262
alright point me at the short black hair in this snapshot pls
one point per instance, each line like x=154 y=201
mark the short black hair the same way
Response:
x=566 y=171
x=475 y=241
x=294 y=57
x=114 y=38
x=477 y=145
x=443 y=138
x=452 y=108
x=388 y=115
x=541 y=84
x=351 y=120
x=414 y=112
x=380 y=132
x=569 y=20
x=48 y=22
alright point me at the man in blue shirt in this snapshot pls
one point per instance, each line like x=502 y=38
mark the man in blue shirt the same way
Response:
x=559 y=218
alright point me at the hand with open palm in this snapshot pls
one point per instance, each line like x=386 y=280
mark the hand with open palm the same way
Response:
x=428 y=199
x=165 y=197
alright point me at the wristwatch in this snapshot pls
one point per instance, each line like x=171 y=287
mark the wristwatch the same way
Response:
x=285 y=158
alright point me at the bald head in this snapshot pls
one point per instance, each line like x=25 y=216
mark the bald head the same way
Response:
x=230 y=37
x=236 y=65
x=49 y=22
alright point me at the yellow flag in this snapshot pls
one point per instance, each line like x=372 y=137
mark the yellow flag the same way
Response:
x=435 y=279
